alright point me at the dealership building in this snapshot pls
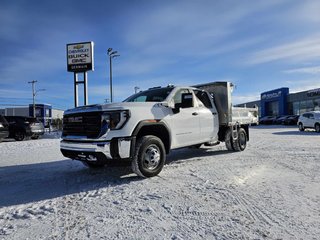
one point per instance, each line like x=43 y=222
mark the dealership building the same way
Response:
x=280 y=102
x=43 y=112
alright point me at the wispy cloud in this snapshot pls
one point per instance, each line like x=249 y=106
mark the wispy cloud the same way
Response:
x=302 y=85
x=305 y=70
x=238 y=99
x=300 y=50
x=188 y=30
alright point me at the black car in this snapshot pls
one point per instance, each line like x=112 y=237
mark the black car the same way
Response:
x=292 y=120
x=281 y=120
x=266 y=120
x=22 y=127
x=4 y=128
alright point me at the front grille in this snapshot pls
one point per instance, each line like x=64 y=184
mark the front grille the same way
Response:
x=82 y=124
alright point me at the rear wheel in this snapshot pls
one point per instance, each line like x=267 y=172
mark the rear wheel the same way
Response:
x=317 y=127
x=301 y=128
x=228 y=140
x=149 y=156
x=19 y=136
x=241 y=143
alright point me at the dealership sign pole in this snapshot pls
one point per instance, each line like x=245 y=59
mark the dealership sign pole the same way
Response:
x=80 y=60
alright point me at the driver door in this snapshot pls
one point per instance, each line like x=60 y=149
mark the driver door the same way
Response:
x=185 y=122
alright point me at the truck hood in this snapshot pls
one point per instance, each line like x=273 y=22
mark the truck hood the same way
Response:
x=113 y=107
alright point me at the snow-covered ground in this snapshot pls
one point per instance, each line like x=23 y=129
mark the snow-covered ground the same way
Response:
x=269 y=191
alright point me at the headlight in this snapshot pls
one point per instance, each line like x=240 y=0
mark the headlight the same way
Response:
x=1 y=126
x=113 y=120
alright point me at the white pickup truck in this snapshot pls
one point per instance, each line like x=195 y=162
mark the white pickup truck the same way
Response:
x=147 y=125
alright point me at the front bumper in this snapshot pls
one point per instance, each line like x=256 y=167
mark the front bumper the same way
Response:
x=119 y=148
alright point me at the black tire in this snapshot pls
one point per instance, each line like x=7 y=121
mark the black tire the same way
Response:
x=149 y=156
x=317 y=127
x=93 y=165
x=228 y=140
x=301 y=128
x=19 y=136
x=241 y=143
x=35 y=137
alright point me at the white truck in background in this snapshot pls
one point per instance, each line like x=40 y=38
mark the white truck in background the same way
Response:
x=147 y=125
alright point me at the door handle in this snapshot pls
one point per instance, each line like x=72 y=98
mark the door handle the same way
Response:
x=195 y=114
x=214 y=113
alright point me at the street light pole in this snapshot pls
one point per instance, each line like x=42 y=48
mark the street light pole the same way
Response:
x=136 y=89
x=110 y=67
x=111 y=55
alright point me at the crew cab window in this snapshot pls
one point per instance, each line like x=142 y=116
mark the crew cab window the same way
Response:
x=203 y=97
x=177 y=99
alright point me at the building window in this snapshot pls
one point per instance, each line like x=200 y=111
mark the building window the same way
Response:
x=296 y=108
x=272 y=108
x=316 y=103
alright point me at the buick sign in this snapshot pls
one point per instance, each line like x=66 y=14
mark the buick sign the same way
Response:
x=80 y=57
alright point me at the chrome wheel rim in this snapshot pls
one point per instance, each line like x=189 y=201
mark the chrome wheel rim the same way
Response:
x=151 y=157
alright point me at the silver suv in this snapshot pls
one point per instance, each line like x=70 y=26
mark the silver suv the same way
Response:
x=309 y=120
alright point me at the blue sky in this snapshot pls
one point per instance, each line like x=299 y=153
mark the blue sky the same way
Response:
x=258 y=45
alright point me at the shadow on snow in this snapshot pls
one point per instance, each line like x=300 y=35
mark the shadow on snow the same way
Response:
x=23 y=184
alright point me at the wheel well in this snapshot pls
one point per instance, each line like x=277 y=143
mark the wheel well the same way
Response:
x=157 y=130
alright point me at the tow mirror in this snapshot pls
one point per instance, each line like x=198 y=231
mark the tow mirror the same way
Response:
x=176 y=108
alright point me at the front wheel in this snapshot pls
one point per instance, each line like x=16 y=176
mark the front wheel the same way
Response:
x=149 y=157
x=19 y=136
x=301 y=128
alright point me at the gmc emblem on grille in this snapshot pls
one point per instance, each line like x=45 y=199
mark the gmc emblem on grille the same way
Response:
x=75 y=119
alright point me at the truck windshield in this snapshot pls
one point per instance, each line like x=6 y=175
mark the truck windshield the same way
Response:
x=151 y=95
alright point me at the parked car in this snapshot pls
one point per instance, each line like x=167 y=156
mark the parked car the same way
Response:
x=267 y=120
x=22 y=127
x=275 y=119
x=309 y=120
x=291 y=120
x=280 y=120
x=4 y=128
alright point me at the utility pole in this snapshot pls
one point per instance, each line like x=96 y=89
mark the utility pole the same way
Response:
x=34 y=93
x=111 y=55
x=33 y=97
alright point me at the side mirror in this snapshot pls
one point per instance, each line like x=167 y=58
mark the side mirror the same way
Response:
x=176 y=108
